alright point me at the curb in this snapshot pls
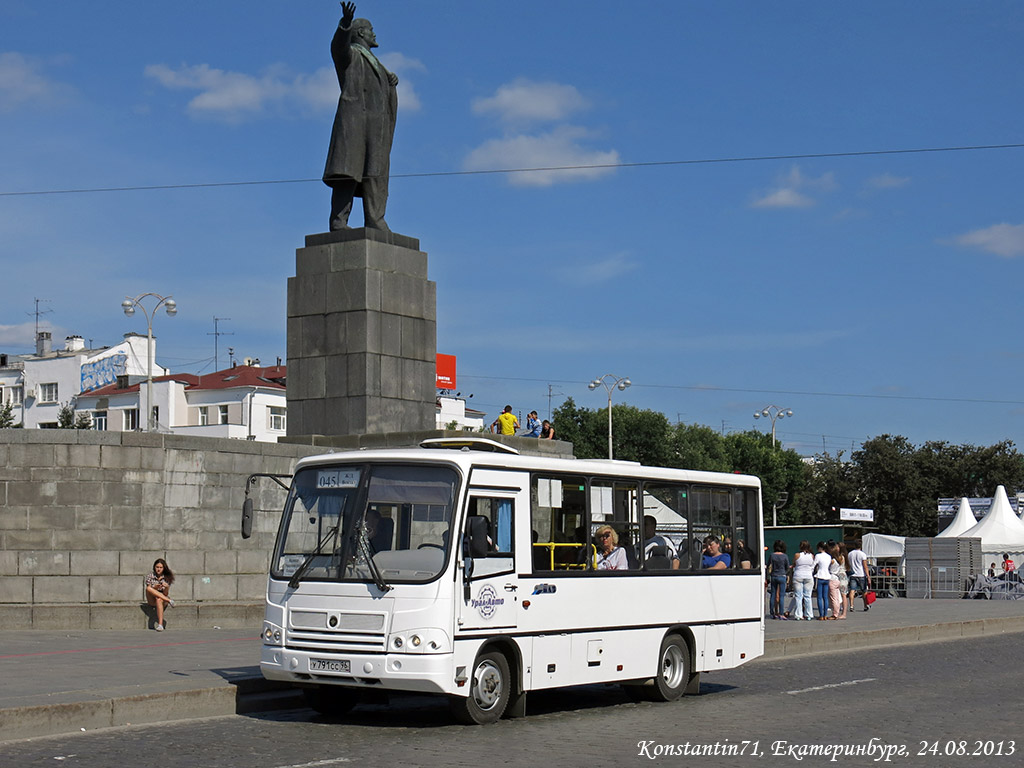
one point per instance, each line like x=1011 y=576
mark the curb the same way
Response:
x=790 y=647
x=241 y=696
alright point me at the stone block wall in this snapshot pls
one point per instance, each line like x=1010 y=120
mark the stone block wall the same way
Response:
x=84 y=514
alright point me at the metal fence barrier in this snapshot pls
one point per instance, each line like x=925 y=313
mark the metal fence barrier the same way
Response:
x=935 y=582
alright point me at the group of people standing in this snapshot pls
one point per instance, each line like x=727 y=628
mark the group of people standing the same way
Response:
x=508 y=424
x=832 y=577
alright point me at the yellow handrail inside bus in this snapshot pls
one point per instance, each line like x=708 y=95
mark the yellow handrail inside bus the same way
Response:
x=551 y=545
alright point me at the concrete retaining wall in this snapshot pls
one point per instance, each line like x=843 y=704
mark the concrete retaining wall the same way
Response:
x=84 y=514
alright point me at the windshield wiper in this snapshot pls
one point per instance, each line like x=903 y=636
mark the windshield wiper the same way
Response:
x=293 y=582
x=363 y=542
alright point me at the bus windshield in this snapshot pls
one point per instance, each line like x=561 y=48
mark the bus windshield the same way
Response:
x=384 y=523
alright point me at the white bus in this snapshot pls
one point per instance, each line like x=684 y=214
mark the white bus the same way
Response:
x=464 y=568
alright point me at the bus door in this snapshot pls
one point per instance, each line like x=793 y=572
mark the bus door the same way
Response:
x=490 y=585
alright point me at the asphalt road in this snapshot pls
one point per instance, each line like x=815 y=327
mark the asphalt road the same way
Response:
x=905 y=706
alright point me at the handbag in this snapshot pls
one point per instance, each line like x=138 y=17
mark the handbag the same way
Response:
x=869 y=597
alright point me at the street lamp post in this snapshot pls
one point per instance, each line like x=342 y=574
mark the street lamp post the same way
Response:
x=610 y=382
x=773 y=412
x=129 y=305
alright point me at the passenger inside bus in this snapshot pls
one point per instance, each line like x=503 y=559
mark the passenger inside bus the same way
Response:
x=610 y=556
x=659 y=554
x=379 y=531
x=714 y=558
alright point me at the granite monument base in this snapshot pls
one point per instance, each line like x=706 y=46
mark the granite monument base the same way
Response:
x=362 y=336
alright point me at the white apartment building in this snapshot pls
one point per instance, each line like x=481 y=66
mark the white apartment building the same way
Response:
x=246 y=402
x=454 y=410
x=37 y=385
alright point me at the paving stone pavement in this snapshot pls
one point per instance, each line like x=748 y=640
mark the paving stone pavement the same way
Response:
x=63 y=681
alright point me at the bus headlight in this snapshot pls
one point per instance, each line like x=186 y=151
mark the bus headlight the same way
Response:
x=272 y=634
x=421 y=641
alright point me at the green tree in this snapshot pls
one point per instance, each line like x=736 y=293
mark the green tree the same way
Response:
x=968 y=470
x=68 y=419
x=6 y=416
x=576 y=425
x=694 y=446
x=830 y=483
x=781 y=471
x=889 y=475
x=637 y=434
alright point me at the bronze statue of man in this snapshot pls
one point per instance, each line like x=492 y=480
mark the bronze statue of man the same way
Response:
x=359 y=158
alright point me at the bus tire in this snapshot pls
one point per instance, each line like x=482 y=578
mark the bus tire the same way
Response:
x=673 y=669
x=331 y=700
x=490 y=685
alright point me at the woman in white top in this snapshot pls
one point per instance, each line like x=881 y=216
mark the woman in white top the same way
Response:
x=803 y=564
x=610 y=556
x=822 y=561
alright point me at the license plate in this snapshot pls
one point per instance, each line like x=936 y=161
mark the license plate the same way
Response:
x=329 y=665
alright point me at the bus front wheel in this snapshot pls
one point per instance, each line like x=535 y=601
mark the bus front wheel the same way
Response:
x=489 y=690
x=673 y=669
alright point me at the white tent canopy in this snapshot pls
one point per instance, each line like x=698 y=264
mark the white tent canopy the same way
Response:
x=964 y=521
x=876 y=545
x=1000 y=530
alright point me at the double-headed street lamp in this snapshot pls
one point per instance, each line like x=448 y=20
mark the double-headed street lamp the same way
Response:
x=128 y=305
x=610 y=382
x=773 y=412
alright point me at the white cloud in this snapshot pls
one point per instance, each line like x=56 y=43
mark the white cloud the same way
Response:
x=402 y=65
x=524 y=101
x=21 y=82
x=1001 y=239
x=234 y=96
x=790 y=191
x=601 y=271
x=888 y=181
x=22 y=335
x=783 y=198
x=560 y=148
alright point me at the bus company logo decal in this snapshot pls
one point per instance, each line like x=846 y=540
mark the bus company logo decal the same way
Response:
x=545 y=589
x=487 y=602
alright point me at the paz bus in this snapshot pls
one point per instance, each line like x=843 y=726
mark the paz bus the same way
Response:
x=464 y=568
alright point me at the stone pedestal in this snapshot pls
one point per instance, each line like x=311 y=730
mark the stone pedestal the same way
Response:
x=362 y=336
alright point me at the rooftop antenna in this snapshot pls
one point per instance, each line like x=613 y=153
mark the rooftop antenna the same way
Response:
x=217 y=333
x=39 y=312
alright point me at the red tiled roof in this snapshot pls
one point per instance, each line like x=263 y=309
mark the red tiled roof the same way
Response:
x=271 y=377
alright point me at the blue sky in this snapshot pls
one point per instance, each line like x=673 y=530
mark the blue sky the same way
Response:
x=870 y=294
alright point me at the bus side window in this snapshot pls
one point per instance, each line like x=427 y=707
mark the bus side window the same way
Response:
x=497 y=513
x=614 y=503
x=557 y=508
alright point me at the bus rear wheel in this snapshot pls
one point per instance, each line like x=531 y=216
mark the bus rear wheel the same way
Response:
x=490 y=685
x=673 y=669
x=331 y=700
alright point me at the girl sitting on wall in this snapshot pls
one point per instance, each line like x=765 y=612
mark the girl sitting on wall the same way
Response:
x=158 y=585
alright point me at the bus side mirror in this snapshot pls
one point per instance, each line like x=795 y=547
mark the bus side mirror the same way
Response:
x=247 y=518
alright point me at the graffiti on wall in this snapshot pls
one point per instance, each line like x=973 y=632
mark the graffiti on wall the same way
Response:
x=104 y=371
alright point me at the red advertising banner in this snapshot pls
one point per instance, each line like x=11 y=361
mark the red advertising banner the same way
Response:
x=446 y=371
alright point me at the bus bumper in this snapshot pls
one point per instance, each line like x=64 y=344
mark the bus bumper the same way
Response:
x=425 y=673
